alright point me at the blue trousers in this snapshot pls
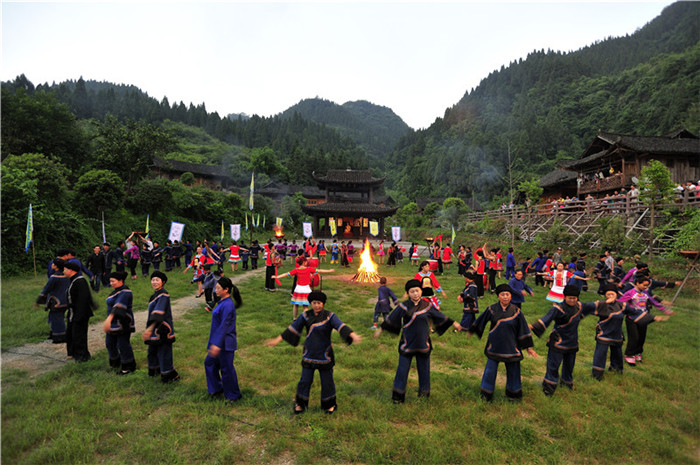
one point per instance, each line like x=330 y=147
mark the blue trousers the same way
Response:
x=510 y=272
x=600 y=354
x=423 y=366
x=119 y=347
x=57 y=322
x=467 y=320
x=221 y=375
x=161 y=357
x=488 y=380
x=554 y=361
x=327 y=386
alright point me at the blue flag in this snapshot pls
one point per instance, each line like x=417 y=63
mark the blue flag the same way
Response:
x=29 y=237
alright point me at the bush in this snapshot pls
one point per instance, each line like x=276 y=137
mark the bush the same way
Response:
x=556 y=236
x=688 y=237
x=187 y=178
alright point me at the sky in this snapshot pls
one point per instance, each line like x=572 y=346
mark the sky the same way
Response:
x=417 y=58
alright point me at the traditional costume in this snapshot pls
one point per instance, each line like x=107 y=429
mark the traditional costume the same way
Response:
x=80 y=309
x=118 y=338
x=470 y=300
x=54 y=297
x=637 y=333
x=413 y=321
x=508 y=336
x=160 y=344
x=430 y=286
x=559 y=281
x=318 y=352
x=304 y=276
x=563 y=341
x=609 y=332
x=234 y=256
x=383 y=305
x=220 y=372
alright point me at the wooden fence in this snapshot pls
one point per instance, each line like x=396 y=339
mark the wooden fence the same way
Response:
x=581 y=217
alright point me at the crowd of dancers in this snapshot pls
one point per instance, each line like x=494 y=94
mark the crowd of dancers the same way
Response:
x=627 y=297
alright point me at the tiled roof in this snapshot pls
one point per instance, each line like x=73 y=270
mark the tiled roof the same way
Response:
x=557 y=177
x=348 y=177
x=656 y=145
x=365 y=209
x=194 y=168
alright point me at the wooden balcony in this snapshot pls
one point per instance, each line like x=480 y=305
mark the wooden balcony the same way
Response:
x=616 y=181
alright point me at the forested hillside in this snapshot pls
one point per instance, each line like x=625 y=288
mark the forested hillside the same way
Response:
x=300 y=146
x=375 y=128
x=549 y=106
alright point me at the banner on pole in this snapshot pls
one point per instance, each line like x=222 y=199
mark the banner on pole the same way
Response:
x=104 y=236
x=148 y=224
x=308 y=230
x=29 y=236
x=222 y=230
x=334 y=231
x=176 y=230
x=396 y=233
x=453 y=234
x=252 y=190
x=235 y=232
x=246 y=221
x=373 y=228
x=278 y=222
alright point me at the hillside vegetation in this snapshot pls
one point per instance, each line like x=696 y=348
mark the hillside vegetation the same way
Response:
x=549 y=106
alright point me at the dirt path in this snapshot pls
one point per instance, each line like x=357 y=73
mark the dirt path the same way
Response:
x=40 y=358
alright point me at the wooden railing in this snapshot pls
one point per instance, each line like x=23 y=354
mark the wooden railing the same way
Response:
x=612 y=205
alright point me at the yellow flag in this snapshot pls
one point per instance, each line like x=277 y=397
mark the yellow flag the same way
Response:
x=373 y=228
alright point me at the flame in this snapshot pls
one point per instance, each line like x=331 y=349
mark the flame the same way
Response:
x=367 y=272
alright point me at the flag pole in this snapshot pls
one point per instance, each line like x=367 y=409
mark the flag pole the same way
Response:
x=34 y=258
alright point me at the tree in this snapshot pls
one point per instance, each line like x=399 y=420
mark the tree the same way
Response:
x=291 y=209
x=407 y=216
x=99 y=189
x=128 y=149
x=532 y=191
x=655 y=188
x=430 y=211
x=264 y=160
x=37 y=123
x=452 y=209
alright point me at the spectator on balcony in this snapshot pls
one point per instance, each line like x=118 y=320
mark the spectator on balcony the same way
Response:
x=633 y=194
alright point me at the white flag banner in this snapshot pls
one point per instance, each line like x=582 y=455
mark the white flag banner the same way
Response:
x=176 y=230
x=396 y=233
x=308 y=231
x=235 y=231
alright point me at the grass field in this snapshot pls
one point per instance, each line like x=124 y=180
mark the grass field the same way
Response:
x=84 y=413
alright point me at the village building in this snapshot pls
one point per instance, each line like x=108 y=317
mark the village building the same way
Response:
x=211 y=176
x=613 y=162
x=351 y=201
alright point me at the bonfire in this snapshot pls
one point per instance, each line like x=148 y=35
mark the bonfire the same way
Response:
x=367 y=272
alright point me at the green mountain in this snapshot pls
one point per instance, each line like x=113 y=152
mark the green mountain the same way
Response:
x=548 y=107
x=375 y=128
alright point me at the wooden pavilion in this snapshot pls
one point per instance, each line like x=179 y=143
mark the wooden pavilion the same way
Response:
x=350 y=201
